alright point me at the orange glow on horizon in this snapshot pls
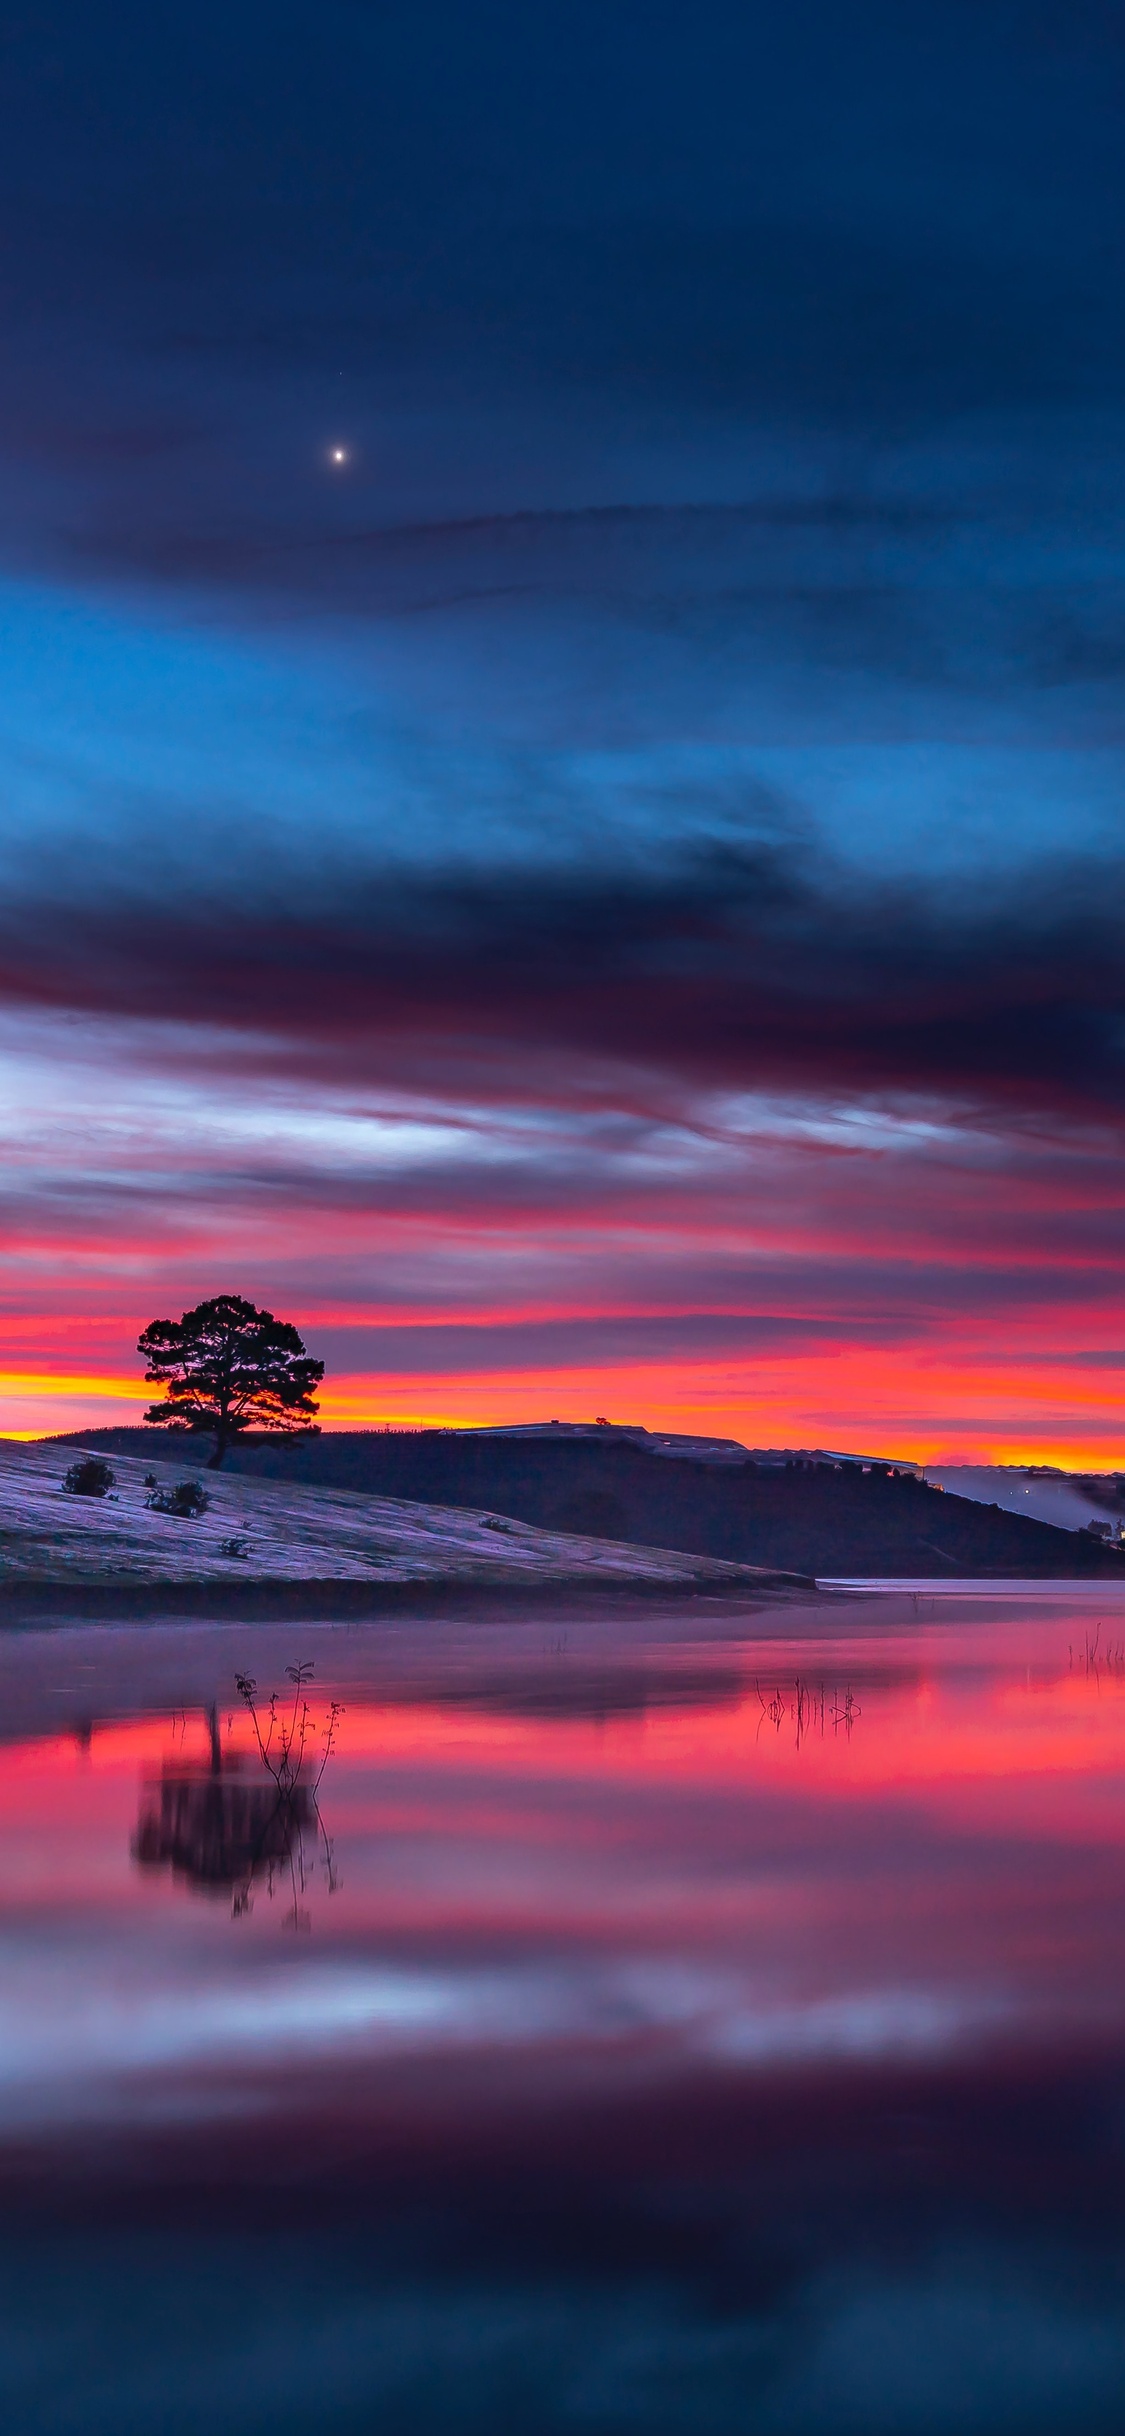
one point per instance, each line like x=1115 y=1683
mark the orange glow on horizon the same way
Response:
x=972 y=1414
x=927 y=1403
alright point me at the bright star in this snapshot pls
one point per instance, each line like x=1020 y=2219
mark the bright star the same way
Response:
x=337 y=455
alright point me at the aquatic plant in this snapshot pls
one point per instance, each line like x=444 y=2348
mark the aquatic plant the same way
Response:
x=285 y=1729
x=811 y=1708
x=289 y=1744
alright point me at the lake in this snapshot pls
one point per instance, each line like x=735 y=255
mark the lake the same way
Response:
x=674 y=2017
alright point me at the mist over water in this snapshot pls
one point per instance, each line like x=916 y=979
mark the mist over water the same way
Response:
x=695 y=2018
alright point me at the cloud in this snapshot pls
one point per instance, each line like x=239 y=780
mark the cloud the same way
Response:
x=723 y=968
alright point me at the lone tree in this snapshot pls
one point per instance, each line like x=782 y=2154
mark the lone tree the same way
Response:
x=228 y=1368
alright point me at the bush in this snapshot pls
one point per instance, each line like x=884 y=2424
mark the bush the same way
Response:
x=91 y=1476
x=187 y=1499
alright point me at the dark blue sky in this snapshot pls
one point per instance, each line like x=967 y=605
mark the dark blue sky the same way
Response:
x=686 y=724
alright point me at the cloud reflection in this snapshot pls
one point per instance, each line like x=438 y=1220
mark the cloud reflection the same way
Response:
x=683 y=2062
x=831 y=1864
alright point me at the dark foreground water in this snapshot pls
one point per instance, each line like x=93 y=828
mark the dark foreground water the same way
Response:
x=697 y=2020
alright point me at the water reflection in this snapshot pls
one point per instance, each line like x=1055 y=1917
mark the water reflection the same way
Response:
x=729 y=2061
x=216 y=1826
x=222 y=1821
x=808 y=1708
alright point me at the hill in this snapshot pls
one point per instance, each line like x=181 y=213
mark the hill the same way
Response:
x=831 y=1519
x=271 y=1532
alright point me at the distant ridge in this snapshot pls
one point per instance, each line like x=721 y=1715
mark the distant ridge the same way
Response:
x=663 y=1442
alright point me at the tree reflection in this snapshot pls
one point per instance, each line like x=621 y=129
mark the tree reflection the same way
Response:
x=227 y=1821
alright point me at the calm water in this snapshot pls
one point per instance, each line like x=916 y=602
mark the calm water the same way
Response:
x=701 y=2020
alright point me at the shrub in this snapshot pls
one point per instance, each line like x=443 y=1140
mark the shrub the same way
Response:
x=188 y=1499
x=91 y=1476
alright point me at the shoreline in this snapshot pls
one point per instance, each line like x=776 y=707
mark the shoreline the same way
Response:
x=268 y=1598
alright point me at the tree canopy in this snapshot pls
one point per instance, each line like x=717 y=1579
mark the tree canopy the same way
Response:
x=227 y=1367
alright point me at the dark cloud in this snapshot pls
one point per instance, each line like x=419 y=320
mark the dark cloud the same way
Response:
x=575 y=1342
x=768 y=550
x=760 y=967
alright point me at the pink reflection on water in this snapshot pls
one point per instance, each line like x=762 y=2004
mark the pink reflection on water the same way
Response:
x=901 y=1845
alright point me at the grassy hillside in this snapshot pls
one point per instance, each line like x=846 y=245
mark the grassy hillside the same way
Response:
x=813 y=1519
x=275 y=1531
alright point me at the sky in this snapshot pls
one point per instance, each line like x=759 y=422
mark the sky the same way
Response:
x=561 y=728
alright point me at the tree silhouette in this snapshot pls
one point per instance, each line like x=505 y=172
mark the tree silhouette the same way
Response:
x=228 y=1367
